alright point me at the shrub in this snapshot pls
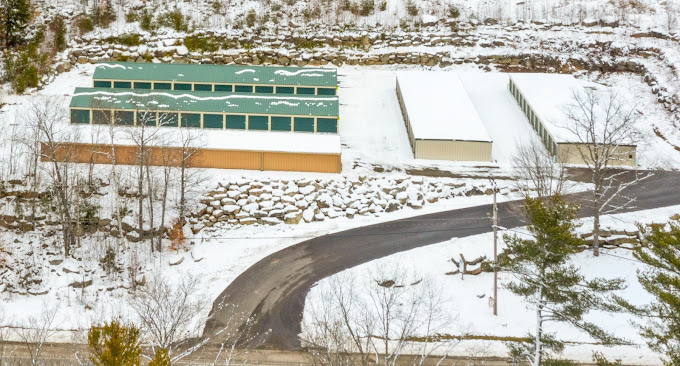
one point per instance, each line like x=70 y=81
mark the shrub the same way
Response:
x=175 y=20
x=454 y=12
x=198 y=43
x=131 y=16
x=383 y=5
x=84 y=23
x=217 y=7
x=114 y=344
x=21 y=72
x=412 y=8
x=251 y=17
x=103 y=15
x=58 y=28
x=146 y=21
x=130 y=39
x=367 y=7
x=108 y=261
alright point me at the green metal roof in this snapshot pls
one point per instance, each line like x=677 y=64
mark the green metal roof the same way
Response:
x=228 y=74
x=206 y=102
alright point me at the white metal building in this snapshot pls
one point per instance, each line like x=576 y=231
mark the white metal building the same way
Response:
x=544 y=99
x=441 y=120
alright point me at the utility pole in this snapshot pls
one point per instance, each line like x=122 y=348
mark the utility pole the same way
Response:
x=495 y=248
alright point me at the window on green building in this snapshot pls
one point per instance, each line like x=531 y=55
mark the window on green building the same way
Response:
x=213 y=121
x=258 y=123
x=162 y=86
x=281 y=123
x=101 y=117
x=124 y=118
x=326 y=91
x=102 y=84
x=327 y=125
x=264 y=89
x=236 y=122
x=182 y=86
x=243 y=88
x=224 y=88
x=80 y=116
x=122 y=85
x=146 y=118
x=301 y=90
x=142 y=85
x=304 y=124
x=203 y=87
x=285 y=90
x=191 y=120
x=168 y=119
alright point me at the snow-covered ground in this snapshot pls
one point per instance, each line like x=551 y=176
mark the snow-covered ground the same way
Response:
x=468 y=298
x=374 y=142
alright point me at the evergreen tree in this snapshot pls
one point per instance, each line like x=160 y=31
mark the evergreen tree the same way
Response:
x=662 y=280
x=14 y=18
x=160 y=358
x=114 y=344
x=549 y=284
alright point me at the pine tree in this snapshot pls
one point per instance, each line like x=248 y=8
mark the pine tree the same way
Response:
x=14 y=18
x=160 y=358
x=549 y=284
x=114 y=344
x=662 y=280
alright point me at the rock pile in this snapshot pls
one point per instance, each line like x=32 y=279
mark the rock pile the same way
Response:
x=272 y=202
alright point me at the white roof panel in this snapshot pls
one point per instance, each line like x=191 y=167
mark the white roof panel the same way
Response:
x=270 y=141
x=439 y=107
x=549 y=96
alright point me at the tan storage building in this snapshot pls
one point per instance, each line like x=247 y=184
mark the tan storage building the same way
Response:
x=441 y=121
x=247 y=150
x=544 y=98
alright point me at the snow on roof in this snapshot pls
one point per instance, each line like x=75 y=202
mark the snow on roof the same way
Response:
x=269 y=141
x=276 y=75
x=550 y=96
x=172 y=100
x=439 y=107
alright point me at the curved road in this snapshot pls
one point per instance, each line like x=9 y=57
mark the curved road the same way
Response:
x=273 y=290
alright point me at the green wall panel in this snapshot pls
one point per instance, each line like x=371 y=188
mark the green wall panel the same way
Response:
x=236 y=122
x=258 y=123
x=304 y=124
x=281 y=123
x=213 y=121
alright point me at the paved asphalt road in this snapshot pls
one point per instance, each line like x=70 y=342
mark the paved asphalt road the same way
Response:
x=273 y=290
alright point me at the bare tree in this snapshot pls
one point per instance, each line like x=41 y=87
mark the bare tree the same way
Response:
x=4 y=331
x=187 y=178
x=538 y=171
x=35 y=331
x=50 y=142
x=168 y=314
x=394 y=314
x=604 y=129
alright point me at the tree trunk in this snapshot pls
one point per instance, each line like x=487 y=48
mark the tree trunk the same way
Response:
x=150 y=192
x=596 y=220
x=538 y=352
x=140 y=192
x=182 y=189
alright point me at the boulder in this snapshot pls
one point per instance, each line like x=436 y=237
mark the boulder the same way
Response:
x=308 y=215
x=247 y=221
x=227 y=201
x=293 y=218
x=269 y=221
x=231 y=209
